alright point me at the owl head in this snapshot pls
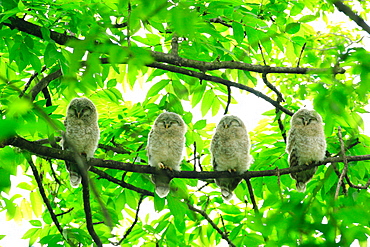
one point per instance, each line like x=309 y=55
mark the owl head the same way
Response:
x=305 y=117
x=82 y=108
x=168 y=120
x=230 y=122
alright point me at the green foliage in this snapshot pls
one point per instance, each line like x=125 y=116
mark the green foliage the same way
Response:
x=126 y=33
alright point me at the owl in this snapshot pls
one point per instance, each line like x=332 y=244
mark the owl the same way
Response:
x=306 y=144
x=82 y=133
x=166 y=142
x=230 y=149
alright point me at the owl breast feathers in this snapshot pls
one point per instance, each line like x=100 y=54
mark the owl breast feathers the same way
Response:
x=306 y=144
x=230 y=148
x=82 y=133
x=165 y=147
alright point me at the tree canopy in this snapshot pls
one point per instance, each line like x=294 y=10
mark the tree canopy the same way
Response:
x=186 y=55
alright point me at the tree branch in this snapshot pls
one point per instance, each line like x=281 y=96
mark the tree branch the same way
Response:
x=343 y=155
x=87 y=209
x=120 y=182
x=62 y=39
x=44 y=197
x=348 y=12
x=133 y=223
x=43 y=83
x=53 y=153
x=205 y=215
x=222 y=81
x=251 y=194
x=228 y=100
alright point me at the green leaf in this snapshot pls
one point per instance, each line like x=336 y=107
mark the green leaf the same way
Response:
x=36 y=203
x=154 y=90
x=180 y=90
x=200 y=124
x=307 y=18
x=207 y=102
x=159 y=203
x=293 y=28
x=178 y=210
x=238 y=32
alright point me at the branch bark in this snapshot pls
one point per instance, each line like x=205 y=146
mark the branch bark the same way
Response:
x=352 y=15
x=63 y=39
x=205 y=215
x=52 y=153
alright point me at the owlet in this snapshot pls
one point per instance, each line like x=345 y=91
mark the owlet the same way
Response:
x=165 y=148
x=230 y=148
x=306 y=144
x=82 y=133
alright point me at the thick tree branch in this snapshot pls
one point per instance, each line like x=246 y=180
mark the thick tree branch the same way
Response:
x=87 y=208
x=62 y=39
x=205 y=215
x=352 y=15
x=52 y=153
x=43 y=83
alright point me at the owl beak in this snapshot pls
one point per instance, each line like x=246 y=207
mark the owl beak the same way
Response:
x=305 y=122
x=226 y=126
x=167 y=126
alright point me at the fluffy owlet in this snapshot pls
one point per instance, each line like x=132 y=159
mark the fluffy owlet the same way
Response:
x=230 y=148
x=82 y=133
x=306 y=144
x=165 y=147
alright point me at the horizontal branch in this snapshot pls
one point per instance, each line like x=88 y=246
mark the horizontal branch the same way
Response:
x=62 y=39
x=216 y=79
x=68 y=156
x=204 y=66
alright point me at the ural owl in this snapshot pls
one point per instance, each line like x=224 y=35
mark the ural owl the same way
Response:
x=82 y=133
x=165 y=147
x=230 y=148
x=306 y=144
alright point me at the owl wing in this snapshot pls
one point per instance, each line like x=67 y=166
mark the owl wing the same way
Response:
x=74 y=174
x=303 y=177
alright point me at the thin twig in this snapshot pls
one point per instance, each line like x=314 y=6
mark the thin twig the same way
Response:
x=300 y=55
x=128 y=23
x=205 y=215
x=195 y=155
x=363 y=187
x=66 y=212
x=220 y=21
x=120 y=182
x=344 y=171
x=133 y=223
x=228 y=100
x=53 y=173
x=263 y=57
x=251 y=194
x=44 y=197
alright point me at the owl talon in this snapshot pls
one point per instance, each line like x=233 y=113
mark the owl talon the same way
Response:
x=161 y=166
x=231 y=170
